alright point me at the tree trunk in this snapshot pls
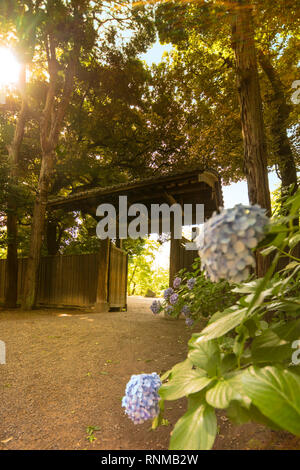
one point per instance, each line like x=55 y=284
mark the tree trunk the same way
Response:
x=50 y=127
x=11 y=285
x=255 y=154
x=11 y=275
x=281 y=113
x=282 y=147
x=37 y=231
x=132 y=277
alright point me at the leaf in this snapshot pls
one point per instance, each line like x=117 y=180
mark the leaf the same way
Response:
x=294 y=240
x=206 y=355
x=275 y=345
x=268 y=251
x=276 y=393
x=222 y=326
x=216 y=316
x=229 y=362
x=238 y=414
x=183 y=383
x=196 y=429
x=291 y=265
x=157 y=421
x=184 y=365
x=221 y=394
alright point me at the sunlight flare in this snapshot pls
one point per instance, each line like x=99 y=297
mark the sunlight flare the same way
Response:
x=9 y=68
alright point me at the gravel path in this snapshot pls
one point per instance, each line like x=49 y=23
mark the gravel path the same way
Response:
x=67 y=370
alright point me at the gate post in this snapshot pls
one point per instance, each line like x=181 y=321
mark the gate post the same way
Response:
x=175 y=259
x=103 y=277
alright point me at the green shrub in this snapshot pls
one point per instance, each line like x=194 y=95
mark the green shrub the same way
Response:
x=201 y=300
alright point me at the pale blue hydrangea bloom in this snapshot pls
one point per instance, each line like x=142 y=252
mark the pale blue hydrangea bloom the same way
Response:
x=177 y=282
x=141 y=397
x=173 y=299
x=227 y=239
x=168 y=292
x=155 y=307
x=191 y=283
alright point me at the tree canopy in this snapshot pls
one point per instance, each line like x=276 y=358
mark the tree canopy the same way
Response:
x=92 y=113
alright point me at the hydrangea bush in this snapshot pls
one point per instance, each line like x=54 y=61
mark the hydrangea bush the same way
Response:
x=245 y=359
x=194 y=297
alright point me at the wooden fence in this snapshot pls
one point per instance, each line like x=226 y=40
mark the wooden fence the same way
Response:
x=71 y=280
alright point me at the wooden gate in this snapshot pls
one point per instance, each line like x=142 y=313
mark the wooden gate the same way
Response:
x=72 y=280
x=180 y=258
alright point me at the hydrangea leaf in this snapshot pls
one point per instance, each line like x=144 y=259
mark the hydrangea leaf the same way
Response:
x=223 y=325
x=183 y=383
x=276 y=393
x=196 y=429
x=274 y=345
x=206 y=355
x=221 y=394
x=184 y=365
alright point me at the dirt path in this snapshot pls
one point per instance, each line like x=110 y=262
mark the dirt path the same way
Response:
x=67 y=370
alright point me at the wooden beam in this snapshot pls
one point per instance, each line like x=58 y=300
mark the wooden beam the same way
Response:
x=170 y=199
x=175 y=264
x=103 y=277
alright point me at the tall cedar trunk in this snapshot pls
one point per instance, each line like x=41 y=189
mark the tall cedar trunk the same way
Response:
x=255 y=153
x=281 y=112
x=282 y=147
x=50 y=128
x=11 y=275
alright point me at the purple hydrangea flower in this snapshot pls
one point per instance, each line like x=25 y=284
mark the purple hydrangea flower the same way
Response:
x=189 y=322
x=177 y=282
x=155 y=307
x=168 y=292
x=191 y=283
x=169 y=309
x=186 y=310
x=141 y=397
x=226 y=242
x=173 y=299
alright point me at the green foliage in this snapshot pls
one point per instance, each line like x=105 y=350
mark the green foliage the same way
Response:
x=90 y=433
x=141 y=274
x=204 y=65
x=242 y=361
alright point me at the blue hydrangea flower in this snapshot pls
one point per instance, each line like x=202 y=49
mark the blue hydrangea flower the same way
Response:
x=169 y=309
x=141 y=397
x=155 y=307
x=189 y=322
x=186 y=310
x=168 y=292
x=177 y=282
x=227 y=239
x=173 y=299
x=191 y=283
